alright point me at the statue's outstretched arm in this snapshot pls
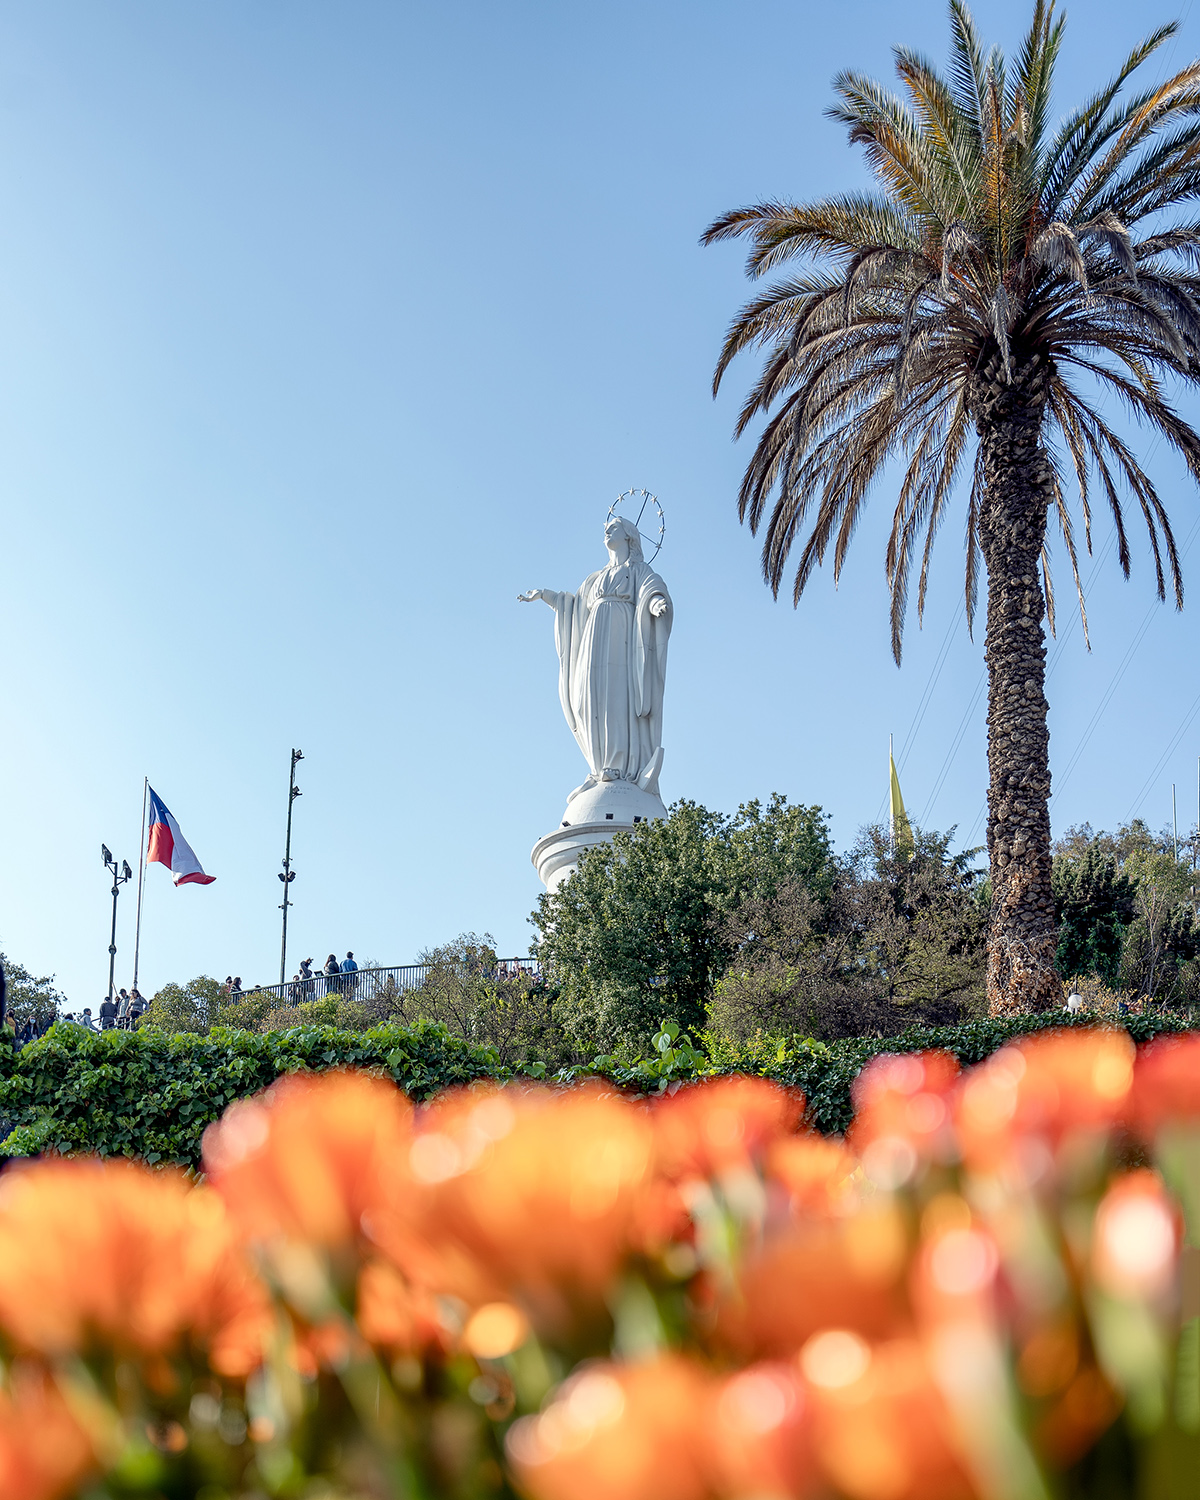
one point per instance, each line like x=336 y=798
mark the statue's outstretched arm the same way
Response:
x=547 y=596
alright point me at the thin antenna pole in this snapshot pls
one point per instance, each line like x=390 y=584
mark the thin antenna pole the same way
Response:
x=1174 y=825
x=288 y=873
x=137 y=936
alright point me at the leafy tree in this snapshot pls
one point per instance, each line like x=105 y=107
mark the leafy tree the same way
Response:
x=897 y=939
x=193 y=1007
x=474 y=997
x=30 y=998
x=1093 y=905
x=969 y=318
x=1163 y=936
x=635 y=934
x=1151 y=898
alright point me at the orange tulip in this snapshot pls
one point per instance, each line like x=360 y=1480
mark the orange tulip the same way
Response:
x=903 y=1114
x=523 y=1190
x=1045 y=1089
x=761 y=1433
x=45 y=1453
x=1166 y=1084
x=846 y=1270
x=307 y=1159
x=954 y=1273
x=815 y=1172
x=1135 y=1238
x=395 y=1314
x=618 y=1433
x=725 y=1125
x=117 y=1254
x=881 y=1427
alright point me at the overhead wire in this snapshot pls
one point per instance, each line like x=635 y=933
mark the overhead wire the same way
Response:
x=1123 y=667
x=1172 y=746
x=906 y=744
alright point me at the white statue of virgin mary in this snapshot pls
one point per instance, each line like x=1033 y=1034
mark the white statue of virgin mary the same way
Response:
x=612 y=662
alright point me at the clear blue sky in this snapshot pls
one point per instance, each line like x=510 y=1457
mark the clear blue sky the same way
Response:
x=327 y=328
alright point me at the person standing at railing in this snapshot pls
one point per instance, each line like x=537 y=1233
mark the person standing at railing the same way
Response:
x=108 y=1013
x=137 y=1006
x=307 y=984
x=333 y=971
x=235 y=989
x=349 y=974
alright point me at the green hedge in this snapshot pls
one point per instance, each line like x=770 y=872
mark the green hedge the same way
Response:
x=146 y=1094
x=824 y=1072
x=149 y=1095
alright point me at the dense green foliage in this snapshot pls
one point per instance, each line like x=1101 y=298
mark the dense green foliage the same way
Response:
x=149 y=1094
x=894 y=938
x=466 y=989
x=638 y=931
x=31 y=998
x=1126 y=908
x=193 y=1007
x=1093 y=904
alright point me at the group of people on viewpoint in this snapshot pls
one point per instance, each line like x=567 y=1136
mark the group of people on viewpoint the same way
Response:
x=340 y=979
x=124 y=1009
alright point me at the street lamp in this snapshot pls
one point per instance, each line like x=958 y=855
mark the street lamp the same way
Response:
x=287 y=875
x=120 y=874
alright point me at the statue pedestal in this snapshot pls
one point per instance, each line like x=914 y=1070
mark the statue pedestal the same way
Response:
x=590 y=819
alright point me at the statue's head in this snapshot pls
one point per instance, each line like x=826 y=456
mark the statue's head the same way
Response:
x=617 y=528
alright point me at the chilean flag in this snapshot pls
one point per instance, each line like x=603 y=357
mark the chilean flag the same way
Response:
x=168 y=846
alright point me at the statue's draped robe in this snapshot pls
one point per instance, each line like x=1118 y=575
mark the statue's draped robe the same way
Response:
x=612 y=656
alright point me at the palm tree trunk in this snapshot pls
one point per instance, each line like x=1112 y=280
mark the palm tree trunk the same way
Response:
x=1018 y=492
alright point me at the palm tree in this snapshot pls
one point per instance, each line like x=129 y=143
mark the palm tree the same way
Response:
x=969 y=317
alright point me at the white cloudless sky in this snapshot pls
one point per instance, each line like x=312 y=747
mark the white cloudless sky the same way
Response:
x=327 y=328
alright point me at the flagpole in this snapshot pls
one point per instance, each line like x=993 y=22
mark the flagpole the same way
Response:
x=137 y=938
x=891 y=805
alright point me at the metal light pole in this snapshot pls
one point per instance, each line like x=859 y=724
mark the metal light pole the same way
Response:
x=288 y=874
x=120 y=874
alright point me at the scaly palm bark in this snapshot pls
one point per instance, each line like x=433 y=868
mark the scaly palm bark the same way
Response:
x=971 y=315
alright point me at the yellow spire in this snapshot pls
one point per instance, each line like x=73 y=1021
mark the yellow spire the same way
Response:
x=902 y=838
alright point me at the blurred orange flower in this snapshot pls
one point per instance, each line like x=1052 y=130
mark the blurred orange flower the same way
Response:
x=45 y=1452
x=523 y=1188
x=116 y=1253
x=903 y=1114
x=761 y=1433
x=395 y=1314
x=617 y=1432
x=815 y=1172
x=307 y=1159
x=1166 y=1084
x=724 y=1125
x=954 y=1271
x=1135 y=1238
x=881 y=1427
x=848 y=1271
x=1045 y=1087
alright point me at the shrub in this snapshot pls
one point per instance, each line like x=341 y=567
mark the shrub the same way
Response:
x=330 y=1010
x=151 y=1094
x=190 y=1008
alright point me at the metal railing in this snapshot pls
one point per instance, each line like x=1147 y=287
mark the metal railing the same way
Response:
x=372 y=984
